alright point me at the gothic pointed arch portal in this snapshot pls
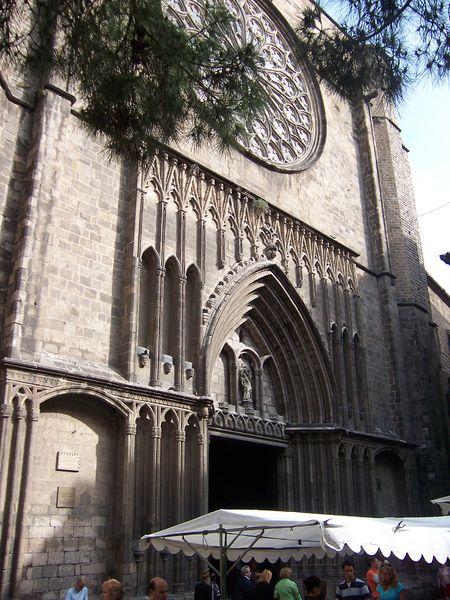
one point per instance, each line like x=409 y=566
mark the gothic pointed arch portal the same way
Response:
x=260 y=335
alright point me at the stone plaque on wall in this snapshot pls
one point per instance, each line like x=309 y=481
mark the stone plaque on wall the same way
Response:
x=67 y=461
x=65 y=497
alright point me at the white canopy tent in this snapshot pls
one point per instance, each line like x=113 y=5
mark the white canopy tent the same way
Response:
x=273 y=535
x=443 y=503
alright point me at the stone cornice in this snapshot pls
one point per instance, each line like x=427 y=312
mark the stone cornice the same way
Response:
x=30 y=372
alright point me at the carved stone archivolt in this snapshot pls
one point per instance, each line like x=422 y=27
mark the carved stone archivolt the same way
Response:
x=287 y=134
x=248 y=424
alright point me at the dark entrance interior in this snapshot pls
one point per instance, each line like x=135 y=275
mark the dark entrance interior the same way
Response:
x=242 y=474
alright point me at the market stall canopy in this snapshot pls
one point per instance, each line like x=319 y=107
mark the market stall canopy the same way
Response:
x=274 y=535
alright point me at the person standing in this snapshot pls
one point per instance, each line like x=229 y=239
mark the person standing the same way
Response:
x=351 y=587
x=244 y=590
x=389 y=587
x=79 y=591
x=286 y=589
x=264 y=589
x=372 y=577
x=206 y=589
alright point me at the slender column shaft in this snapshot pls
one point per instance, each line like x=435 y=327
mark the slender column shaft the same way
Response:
x=180 y=496
x=6 y=411
x=129 y=452
x=12 y=493
x=203 y=470
x=22 y=510
x=179 y=363
x=159 y=299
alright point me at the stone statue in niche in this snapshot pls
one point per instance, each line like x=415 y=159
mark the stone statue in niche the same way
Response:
x=246 y=384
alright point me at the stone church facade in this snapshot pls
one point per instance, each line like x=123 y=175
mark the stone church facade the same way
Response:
x=242 y=330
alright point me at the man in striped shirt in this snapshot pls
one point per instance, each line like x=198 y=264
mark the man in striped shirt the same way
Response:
x=351 y=587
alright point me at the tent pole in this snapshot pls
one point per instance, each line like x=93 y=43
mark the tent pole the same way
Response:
x=223 y=565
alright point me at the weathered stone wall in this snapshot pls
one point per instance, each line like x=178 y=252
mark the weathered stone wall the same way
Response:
x=66 y=542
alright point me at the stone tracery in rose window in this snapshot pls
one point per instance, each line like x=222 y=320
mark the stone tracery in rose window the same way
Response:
x=286 y=135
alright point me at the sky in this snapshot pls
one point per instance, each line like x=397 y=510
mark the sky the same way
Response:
x=424 y=118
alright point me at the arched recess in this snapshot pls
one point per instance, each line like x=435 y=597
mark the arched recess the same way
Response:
x=171 y=309
x=76 y=462
x=390 y=482
x=192 y=314
x=144 y=481
x=169 y=469
x=147 y=299
x=265 y=297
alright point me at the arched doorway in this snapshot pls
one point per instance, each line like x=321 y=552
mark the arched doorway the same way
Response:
x=266 y=368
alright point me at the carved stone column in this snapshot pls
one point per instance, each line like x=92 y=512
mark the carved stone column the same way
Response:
x=348 y=483
x=181 y=335
x=155 y=499
x=312 y=288
x=286 y=477
x=325 y=304
x=361 y=500
x=372 y=504
x=159 y=299
x=23 y=503
x=202 y=442
x=6 y=411
x=126 y=534
x=258 y=400
x=201 y=246
x=179 y=499
x=12 y=495
x=234 y=384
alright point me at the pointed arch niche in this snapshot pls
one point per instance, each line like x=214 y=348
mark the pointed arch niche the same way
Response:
x=262 y=353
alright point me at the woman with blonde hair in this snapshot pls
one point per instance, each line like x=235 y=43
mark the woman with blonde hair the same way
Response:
x=389 y=587
x=263 y=588
x=112 y=590
x=286 y=589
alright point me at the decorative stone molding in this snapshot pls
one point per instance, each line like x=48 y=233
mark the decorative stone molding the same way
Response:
x=233 y=208
x=130 y=429
x=248 y=424
x=6 y=410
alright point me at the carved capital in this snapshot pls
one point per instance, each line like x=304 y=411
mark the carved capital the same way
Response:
x=161 y=271
x=19 y=413
x=34 y=413
x=183 y=279
x=130 y=429
x=200 y=439
x=155 y=432
x=6 y=410
x=180 y=436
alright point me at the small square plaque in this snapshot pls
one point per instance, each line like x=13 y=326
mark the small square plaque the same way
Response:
x=65 y=497
x=67 y=461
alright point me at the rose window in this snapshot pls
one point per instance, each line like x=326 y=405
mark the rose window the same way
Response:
x=287 y=134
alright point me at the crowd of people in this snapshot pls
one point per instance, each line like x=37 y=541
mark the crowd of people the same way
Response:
x=381 y=584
